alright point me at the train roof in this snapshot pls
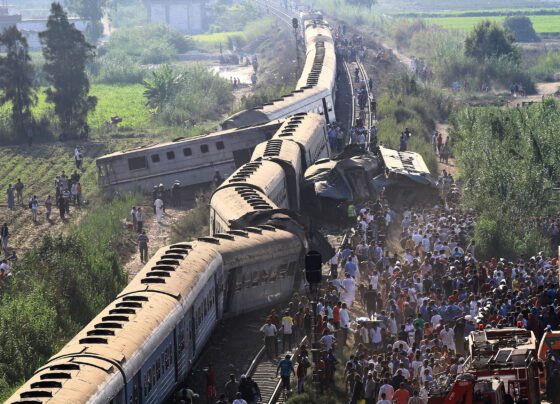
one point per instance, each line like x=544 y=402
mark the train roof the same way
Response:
x=278 y=150
x=320 y=68
x=299 y=127
x=180 y=142
x=280 y=108
x=259 y=174
x=236 y=202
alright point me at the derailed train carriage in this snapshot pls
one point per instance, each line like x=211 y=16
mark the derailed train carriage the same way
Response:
x=195 y=161
x=142 y=345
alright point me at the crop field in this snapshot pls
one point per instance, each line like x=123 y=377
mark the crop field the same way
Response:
x=126 y=101
x=543 y=24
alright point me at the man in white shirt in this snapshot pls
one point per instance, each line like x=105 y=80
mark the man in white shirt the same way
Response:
x=387 y=390
x=327 y=340
x=269 y=330
x=447 y=336
x=436 y=318
x=344 y=323
x=158 y=203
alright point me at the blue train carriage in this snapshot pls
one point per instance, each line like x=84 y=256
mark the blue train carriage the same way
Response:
x=144 y=341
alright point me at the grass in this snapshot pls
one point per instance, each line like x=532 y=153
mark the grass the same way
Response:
x=543 y=24
x=475 y=12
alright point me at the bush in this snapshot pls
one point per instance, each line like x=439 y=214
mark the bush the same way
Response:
x=151 y=44
x=197 y=95
x=58 y=287
x=546 y=67
x=108 y=70
x=521 y=27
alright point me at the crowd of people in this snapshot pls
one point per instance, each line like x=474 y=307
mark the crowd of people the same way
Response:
x=403 y=313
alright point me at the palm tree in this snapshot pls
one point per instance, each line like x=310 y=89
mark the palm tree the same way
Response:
x=161 y=88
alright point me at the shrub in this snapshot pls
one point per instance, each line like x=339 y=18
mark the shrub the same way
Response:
x=521 y=27
x=546 y=67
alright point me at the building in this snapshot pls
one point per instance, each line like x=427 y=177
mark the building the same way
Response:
x=7 y=19
x=187 y=16
x=30 y=27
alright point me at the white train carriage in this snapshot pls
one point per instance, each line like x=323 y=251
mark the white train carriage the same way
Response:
x=306 y=99
x=232 y=203
x=143 y=344
x=321 y=69
x=309 y=132
x=267 y=177
x=287 y=154
x=192 y=161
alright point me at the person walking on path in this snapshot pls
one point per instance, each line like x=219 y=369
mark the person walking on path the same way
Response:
x=231 y=388
x=10 y=194
x=286 y=368
x=158 y=203
x=34 y=206
x=48 y=207
x=5 y=234
x=143 y=246
x=139 y=220
x=269 y=330
x=19 y=192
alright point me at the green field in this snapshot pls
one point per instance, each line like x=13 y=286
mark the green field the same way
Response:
x=543 y=24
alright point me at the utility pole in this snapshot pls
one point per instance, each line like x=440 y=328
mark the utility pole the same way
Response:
x=295 y=25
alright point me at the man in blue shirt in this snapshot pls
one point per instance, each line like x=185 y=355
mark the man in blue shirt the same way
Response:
x=285 y=367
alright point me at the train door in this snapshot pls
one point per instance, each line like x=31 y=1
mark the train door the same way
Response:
x=229 y=291
x=218 y=292
x=135 y=393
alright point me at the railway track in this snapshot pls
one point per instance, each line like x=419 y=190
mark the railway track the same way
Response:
x=359 y=80
x=282 y=14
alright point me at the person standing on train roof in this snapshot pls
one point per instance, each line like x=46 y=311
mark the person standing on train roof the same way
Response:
x=158 y=204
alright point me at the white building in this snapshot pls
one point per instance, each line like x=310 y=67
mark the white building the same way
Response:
x=31 y=28
x=187 y=16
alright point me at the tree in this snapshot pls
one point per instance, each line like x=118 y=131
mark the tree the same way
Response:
x=17 y=77
x=521 y=27
x=490 y=40
x=92 y=11
x=160 y=89
x=66 y=53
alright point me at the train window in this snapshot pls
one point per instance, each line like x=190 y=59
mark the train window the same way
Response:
x=239 y=284
x=137 y=163
x=181 y=342
x=204 y=148
x=220 y=145
x=154 y=380
x=255 y=279
x=187 y=152
x=170 y=155
x=155 y=158
x=158 y=369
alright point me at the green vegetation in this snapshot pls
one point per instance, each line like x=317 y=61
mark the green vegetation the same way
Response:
x=509 y=158
x=150 y=44
x=234 y=39
x=406 y=104
x=126 y=13
x=543 y=24
x=188 y=96
x=92 y=11
x=66 y=53
x=546 y=67
x=446 y=55
x=521 y=28
x=17 y=78
x=59 y=287
x=233 y=17
x=196 y=222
